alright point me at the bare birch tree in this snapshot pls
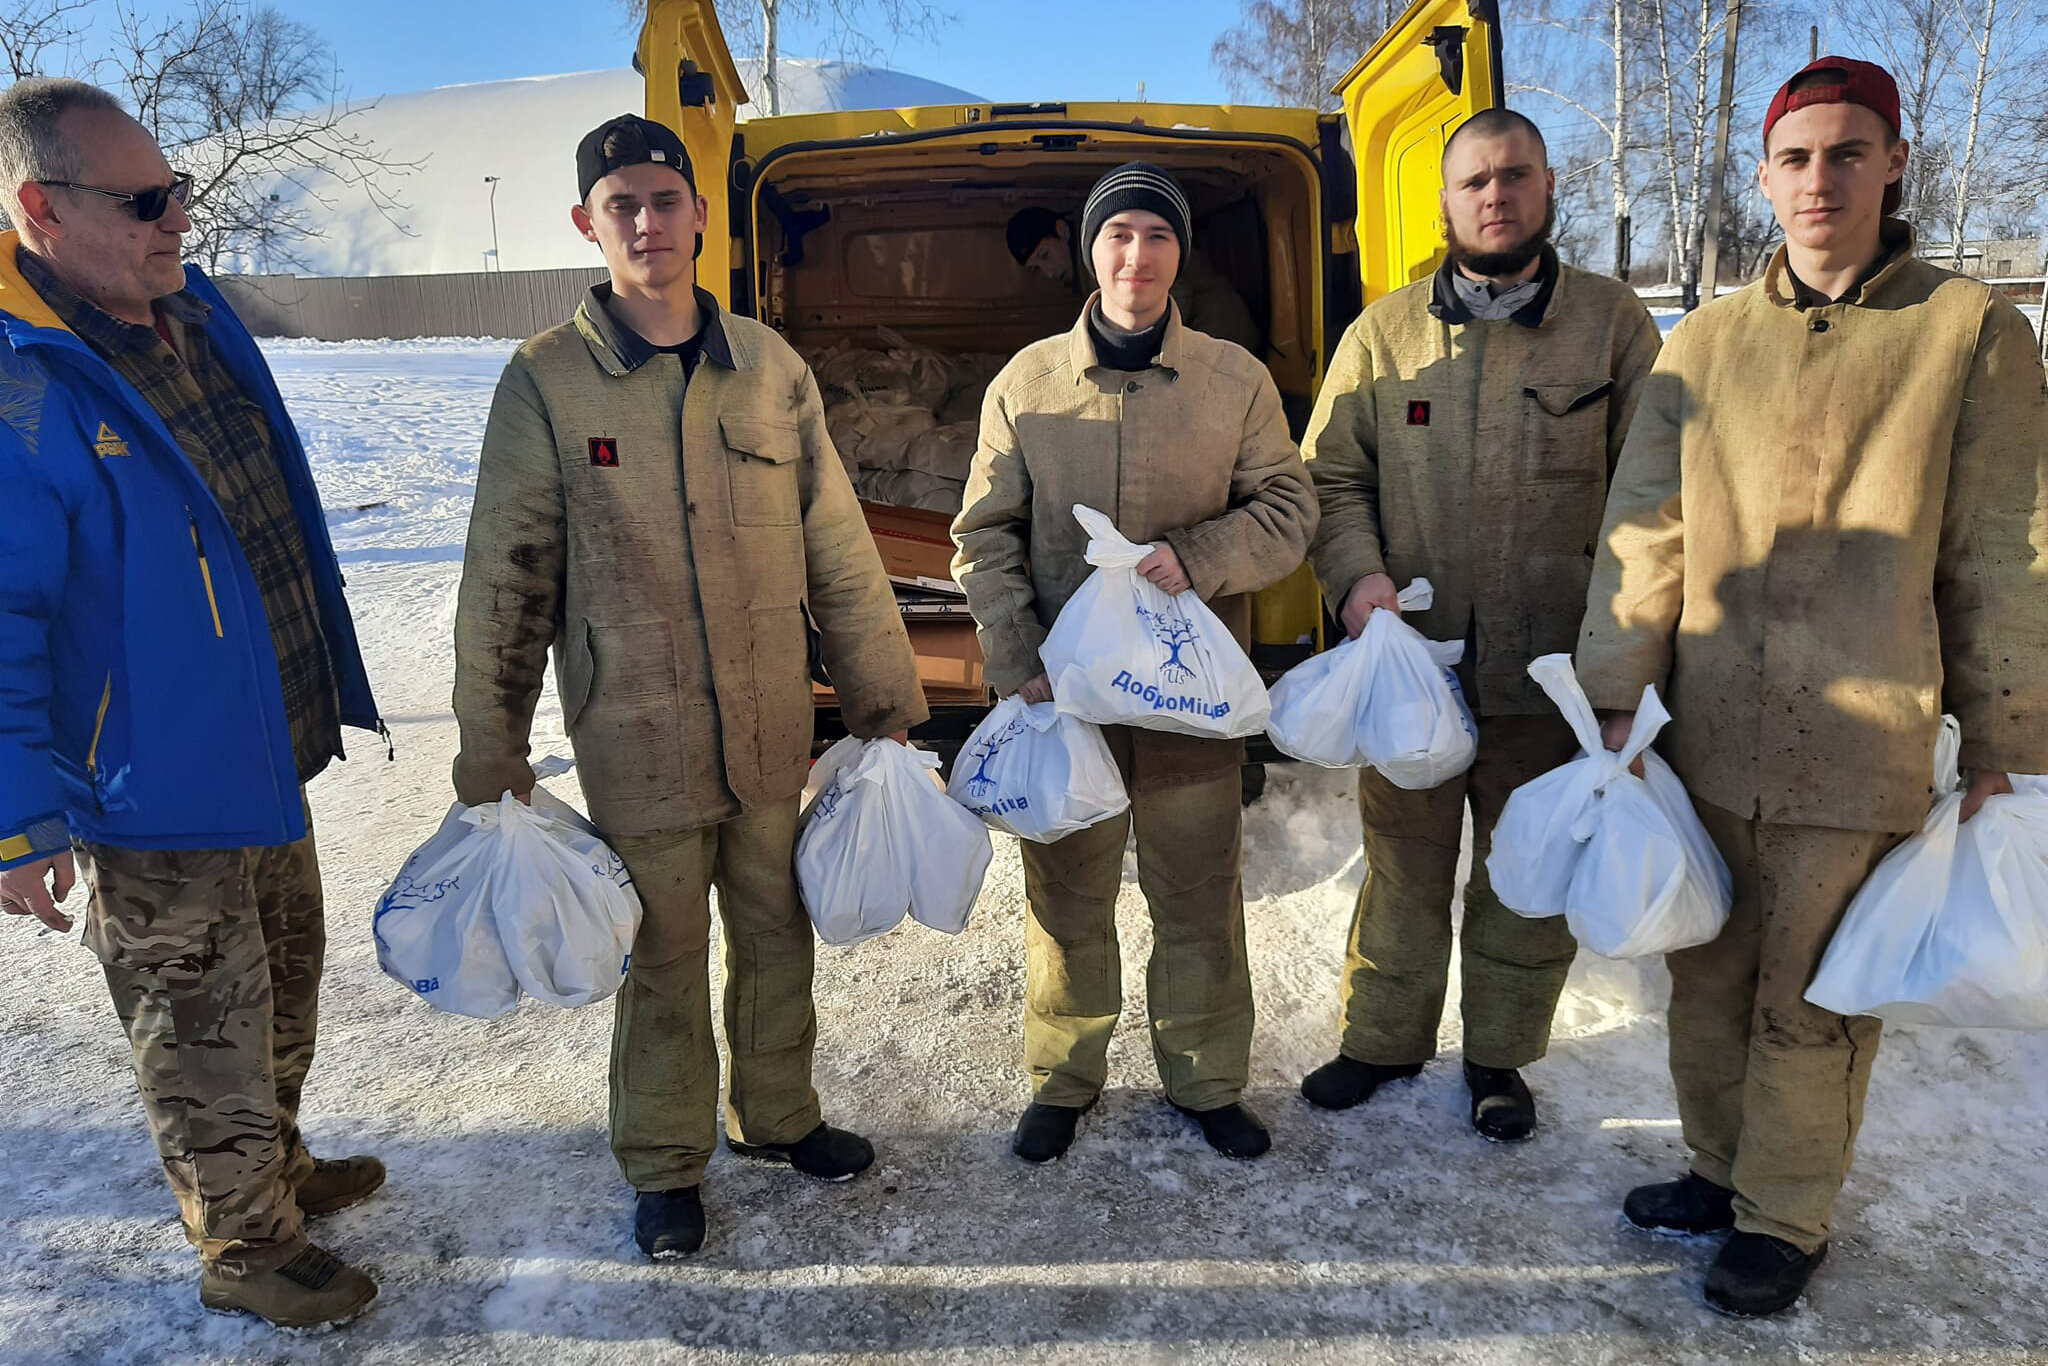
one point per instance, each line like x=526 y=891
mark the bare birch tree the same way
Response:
x=1608 y=28
x=245 y=100
x=1292 y=52
x=40 y=37
x=1683 y=64
x=753 y=28
x=849 y=27
x=1995 y=150
x=1915 y=41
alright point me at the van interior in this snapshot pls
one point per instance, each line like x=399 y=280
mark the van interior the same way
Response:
x=891 y=272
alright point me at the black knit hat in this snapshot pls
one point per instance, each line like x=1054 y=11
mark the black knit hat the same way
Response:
x=1027 y=228
x=628 y=140
x=1135 y=185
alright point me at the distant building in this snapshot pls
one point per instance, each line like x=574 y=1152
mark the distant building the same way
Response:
x=494 y=167
x=2011 y=258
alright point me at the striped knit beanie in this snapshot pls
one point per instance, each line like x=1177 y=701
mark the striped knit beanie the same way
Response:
x=1134 y=185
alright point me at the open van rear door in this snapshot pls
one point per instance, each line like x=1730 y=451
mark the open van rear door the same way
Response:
x=1436 y=67
x=694 y=88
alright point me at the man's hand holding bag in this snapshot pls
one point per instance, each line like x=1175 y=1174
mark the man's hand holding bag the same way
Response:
x=1126 y=652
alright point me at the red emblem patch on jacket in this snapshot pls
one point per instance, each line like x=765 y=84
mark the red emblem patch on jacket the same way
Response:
x=1418 y=412
x=604 y=450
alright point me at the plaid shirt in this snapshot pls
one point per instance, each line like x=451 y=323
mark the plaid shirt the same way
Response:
x=225 y=435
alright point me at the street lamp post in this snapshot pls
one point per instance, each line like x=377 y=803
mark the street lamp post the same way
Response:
x=492 y=181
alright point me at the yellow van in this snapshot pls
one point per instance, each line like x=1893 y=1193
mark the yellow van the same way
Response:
x=831 y=226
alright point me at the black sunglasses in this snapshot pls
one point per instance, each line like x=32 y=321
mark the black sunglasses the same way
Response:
x=149 y=205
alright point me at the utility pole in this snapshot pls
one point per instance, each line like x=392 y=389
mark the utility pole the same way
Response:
x=267 y=233
x=1710 y=266
x=498 y=262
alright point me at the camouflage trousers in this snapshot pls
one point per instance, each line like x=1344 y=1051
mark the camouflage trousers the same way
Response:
x=213 y=957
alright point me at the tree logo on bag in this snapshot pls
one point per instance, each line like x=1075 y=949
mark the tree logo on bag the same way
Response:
x=1175 y=632
x=979 y=784
x=828 y=802
x=408 y=893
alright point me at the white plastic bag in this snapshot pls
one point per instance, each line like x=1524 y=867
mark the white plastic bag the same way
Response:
x=1624 y=859
x=434 y=928
x=1952 y=928
x=1037 y=774
x=882 y=838
x=1126 y=652
x=505 y=898
x=1387 y=700
x=564 y=902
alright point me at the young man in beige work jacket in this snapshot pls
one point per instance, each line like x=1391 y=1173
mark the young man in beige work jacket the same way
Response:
x=1465 y=434
x=1179 y=438
x=658 y=500
x=1828 y=528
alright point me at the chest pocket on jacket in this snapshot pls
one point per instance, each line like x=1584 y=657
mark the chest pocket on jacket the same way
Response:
x=1565 y=430
x=762 y=465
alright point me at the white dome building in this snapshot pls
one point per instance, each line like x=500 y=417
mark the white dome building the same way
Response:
x=524 y=132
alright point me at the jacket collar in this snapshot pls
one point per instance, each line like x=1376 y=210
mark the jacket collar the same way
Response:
x=1899 y=243
x=1446 y=307
x=1081 y=342
x=621 y=351
x=17 y=296
x=105 y=333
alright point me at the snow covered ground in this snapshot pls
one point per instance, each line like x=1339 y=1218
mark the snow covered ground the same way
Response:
x=1388 y=1234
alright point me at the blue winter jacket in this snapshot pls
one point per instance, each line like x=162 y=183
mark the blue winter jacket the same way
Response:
x=140 y=704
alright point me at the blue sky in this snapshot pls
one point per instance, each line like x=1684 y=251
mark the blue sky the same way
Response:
x=1001 y=49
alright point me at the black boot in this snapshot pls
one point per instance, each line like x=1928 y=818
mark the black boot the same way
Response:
x=1345 y=1082
x=1503 y=1111
x=825 y=1152
x=1232 y=1130
x=1691 y=1204
x=669 y=1224
x=1045 y=1132
x=1757 y=1274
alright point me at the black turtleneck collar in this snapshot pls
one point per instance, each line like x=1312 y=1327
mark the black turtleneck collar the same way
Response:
x=1117 y=349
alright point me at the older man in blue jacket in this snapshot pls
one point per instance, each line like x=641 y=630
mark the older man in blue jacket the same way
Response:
x=176 y=662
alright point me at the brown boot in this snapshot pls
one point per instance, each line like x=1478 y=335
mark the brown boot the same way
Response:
x=337 y=1183
x=314 y=1289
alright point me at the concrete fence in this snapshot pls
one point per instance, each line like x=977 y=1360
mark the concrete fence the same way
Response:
x=493 y=304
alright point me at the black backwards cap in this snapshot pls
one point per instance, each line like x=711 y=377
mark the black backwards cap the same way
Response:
x=628 y=140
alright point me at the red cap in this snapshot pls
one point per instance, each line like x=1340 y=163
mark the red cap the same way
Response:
x=1864 y=83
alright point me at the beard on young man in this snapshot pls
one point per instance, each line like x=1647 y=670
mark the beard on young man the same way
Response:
x=1509 y=260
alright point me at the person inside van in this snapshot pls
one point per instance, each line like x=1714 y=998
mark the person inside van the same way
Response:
x=1180 y=438
x=658 y=500
x=1043 y=241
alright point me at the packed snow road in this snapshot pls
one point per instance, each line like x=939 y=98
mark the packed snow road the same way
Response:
x=1391 y=1233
